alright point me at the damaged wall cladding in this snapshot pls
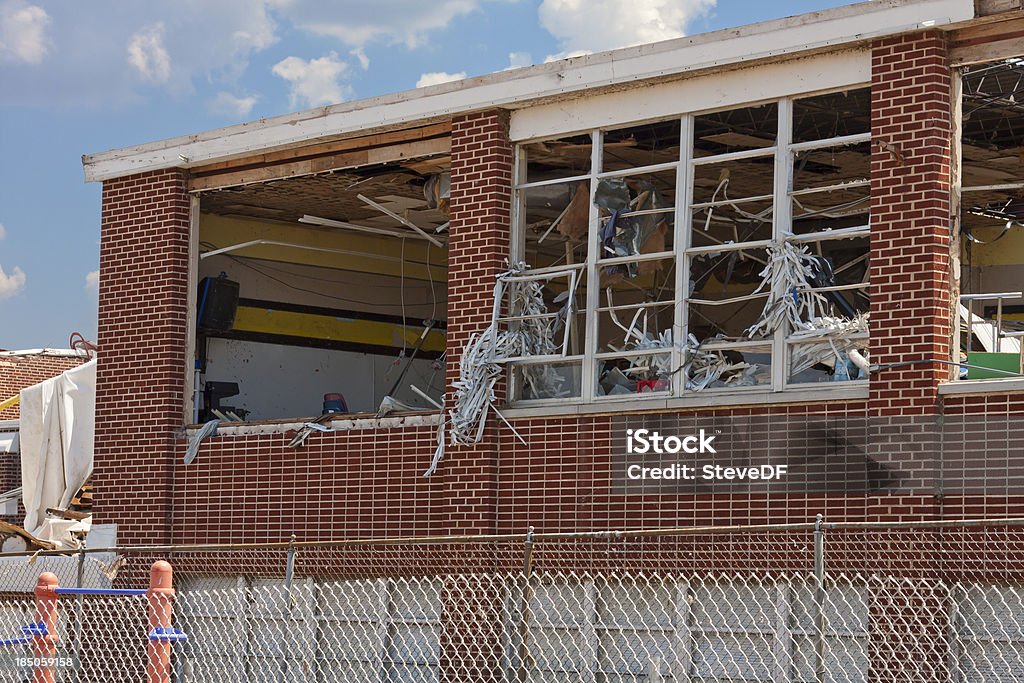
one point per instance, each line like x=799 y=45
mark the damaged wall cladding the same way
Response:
x=725 y=250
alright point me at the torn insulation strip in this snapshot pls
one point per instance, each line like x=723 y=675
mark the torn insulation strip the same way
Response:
x=482 y=361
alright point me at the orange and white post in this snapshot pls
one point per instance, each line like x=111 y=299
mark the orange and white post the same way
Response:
x=44 y=644
x=161 y=613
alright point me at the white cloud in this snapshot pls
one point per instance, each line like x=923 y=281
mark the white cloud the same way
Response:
x=388 y=21
x=360 y=54
x=230 y=105
x=518 y=59
x=11 y=284
x=23 y=36
x=92 y=281
x=101 y=52
x=314 y=82
x=3 y=231
x=586 y=24
x=146 y=52
x=438 y=77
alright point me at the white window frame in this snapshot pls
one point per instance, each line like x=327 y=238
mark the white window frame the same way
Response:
x=783 y=151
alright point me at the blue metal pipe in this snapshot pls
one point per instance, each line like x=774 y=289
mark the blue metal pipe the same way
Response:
x=101 y=591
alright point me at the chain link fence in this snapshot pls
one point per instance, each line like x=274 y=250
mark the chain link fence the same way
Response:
x=798 y=603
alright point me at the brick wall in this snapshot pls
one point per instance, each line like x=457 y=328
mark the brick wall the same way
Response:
x=142 y=337
x=20 y=372
x=911 y=128
x=478 y=246
x=911 y=112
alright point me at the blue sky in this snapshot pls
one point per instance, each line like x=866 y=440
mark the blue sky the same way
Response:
x=83 y=77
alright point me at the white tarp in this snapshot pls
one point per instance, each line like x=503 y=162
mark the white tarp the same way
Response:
x=57 y=425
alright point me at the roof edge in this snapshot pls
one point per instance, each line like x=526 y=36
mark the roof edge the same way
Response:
x=718 y=49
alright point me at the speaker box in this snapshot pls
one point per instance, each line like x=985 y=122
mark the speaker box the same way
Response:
x=217 y=304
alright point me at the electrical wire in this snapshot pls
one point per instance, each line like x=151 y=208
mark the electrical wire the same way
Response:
x=373 y=304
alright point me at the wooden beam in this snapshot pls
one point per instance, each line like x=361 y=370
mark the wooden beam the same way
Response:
x=330 y=147
x=987 y=52
x=322 y=164
x=985 y=8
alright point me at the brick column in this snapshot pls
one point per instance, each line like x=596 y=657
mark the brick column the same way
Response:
x=478 y=246
x=911 y=302
x=911 y=115
x=140 y=380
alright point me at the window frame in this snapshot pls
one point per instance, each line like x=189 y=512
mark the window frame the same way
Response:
x=783 y=152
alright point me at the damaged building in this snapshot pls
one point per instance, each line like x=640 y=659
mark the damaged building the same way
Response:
x=785 y=234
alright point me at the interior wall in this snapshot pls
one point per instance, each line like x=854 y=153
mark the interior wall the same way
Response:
x=330 y=288
x=278 y=381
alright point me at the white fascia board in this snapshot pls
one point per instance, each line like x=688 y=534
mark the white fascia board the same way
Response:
x=516 y=88
x=827 y=71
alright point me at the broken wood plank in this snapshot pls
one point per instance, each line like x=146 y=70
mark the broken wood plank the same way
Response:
x=330 y=147
x=33 y=543
x=365 y=157
x=985 y=8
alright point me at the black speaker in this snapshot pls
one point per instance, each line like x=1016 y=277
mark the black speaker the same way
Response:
x=217 y=304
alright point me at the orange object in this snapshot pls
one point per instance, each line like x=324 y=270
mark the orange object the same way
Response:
x=161 y=611
x=44 y=646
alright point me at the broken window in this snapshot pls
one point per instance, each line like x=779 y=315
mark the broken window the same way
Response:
x=991 y=311
x=323 y=293
x=699 y=232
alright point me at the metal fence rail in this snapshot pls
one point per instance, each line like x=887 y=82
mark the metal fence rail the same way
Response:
x=796 y=603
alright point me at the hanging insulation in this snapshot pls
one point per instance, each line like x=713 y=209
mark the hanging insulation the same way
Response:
x=481 y=364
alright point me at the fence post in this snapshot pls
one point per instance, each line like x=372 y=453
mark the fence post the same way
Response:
x=79 y=609
x=289 y=576
x=524 y=605
x=819 y=599
x=44 y=644
x=161 y=606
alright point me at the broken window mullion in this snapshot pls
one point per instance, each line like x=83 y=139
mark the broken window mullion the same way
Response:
x=639 y=170
x=840 y=141
x=554 y=181
x=729 y=202
x=734 y=156
x=825 y=235
x=860 y=182
x=731 y=300
x=725 y=247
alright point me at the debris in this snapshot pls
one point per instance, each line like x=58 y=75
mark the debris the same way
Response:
x=208 y=429
x=308 y=428
x=389 y=403
x=481 y=363
x=8 y=530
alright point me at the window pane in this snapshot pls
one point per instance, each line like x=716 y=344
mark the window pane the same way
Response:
x=832 y=115
x=645 y=144
x=719 y=278
x=555 y=220
x=648 y=374
x=831 y=166
x=825 y=362
x=721 y=368
x=841 y=263
x=637 y=214
x=732 y=223
x=552 y=159
x=733 y=180
x=631 y=314
x=735 y=130
x=548 y=380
